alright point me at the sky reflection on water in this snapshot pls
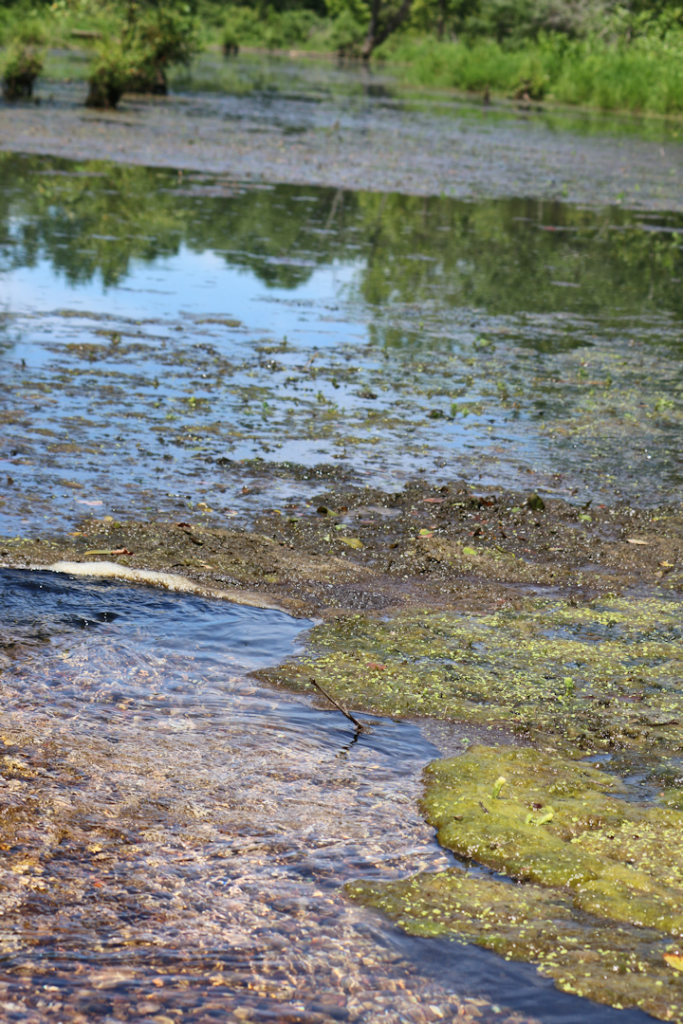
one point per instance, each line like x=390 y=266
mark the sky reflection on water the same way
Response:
x=179 y=326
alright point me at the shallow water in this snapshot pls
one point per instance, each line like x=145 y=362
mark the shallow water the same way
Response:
x=167 y=336
x=176 y=835
x=308 y=121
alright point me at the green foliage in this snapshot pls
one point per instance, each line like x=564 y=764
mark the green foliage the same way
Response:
x=517 y=20
x=32 y=32
x=22 y=64
x=152 y=40
x=587 y=52
x=645 y=74
x=348 y=32
x=114 y=71
x=26 y=34
x=230 y=41
x=269 y=28
x=165 y=36
x=241 y=27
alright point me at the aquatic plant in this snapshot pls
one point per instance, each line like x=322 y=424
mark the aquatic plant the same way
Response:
x=230 y=42
x=562 y=823
x=591 y=856
x=151 y=43
x=112 y=74
x=595 y=677
x=163 y=37
x=641 y=75
x=619 y=965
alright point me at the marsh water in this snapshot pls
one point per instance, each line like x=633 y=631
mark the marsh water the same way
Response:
x=189 y=345
x=165 y=334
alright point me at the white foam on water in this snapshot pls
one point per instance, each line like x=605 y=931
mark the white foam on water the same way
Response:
x=169 y=580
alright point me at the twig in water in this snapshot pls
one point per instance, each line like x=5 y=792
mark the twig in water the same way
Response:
x=344 y=712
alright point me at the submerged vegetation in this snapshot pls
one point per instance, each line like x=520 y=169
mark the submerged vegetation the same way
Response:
x=22 y=62
x=584 y=672
x=599 y=677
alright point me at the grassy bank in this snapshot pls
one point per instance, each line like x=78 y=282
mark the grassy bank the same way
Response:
x=644 y=75
x=640 y=72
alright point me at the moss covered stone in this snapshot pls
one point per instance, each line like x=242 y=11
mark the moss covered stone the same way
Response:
x=619 y=965
x=564 y=824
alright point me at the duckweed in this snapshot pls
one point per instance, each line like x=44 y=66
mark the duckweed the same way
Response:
x=604 y=875
x=593 y=677
x=563 y=824
x=619 y=965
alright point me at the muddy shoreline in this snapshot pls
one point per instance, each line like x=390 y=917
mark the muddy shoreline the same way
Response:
x=432 y=559
x=359 y=549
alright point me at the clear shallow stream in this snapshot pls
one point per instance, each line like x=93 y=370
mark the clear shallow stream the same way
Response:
x=175 y=836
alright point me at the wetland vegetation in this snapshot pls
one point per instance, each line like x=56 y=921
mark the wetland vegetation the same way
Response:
x=596 y=53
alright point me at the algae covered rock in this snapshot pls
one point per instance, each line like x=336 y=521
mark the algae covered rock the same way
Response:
x=619 y=965
x=603 y=892
x=563 y=824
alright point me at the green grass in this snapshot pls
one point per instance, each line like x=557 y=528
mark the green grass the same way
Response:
x=645 y=75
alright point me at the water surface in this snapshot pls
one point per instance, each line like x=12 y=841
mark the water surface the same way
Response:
x=167 y=335
x=175 y=835
x=183 y=344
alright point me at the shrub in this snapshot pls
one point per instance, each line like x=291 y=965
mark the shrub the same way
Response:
x=643 y=74
x=242 y=27
x=160 y=39
x=150 y=44
x=22 y=65
x=348 y=34
x=269 y=28
x=112 y=74
x=289 y=28
x=230 y=42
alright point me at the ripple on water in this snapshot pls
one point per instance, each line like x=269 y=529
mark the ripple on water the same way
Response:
x=176 y=835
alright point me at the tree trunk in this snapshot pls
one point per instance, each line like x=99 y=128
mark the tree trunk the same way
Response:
x=370 y=39
x=441 y=25
x=377 y=35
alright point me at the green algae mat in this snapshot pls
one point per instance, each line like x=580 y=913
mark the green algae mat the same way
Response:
x=588 y=881
x=586 y=869
x=600 y=676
